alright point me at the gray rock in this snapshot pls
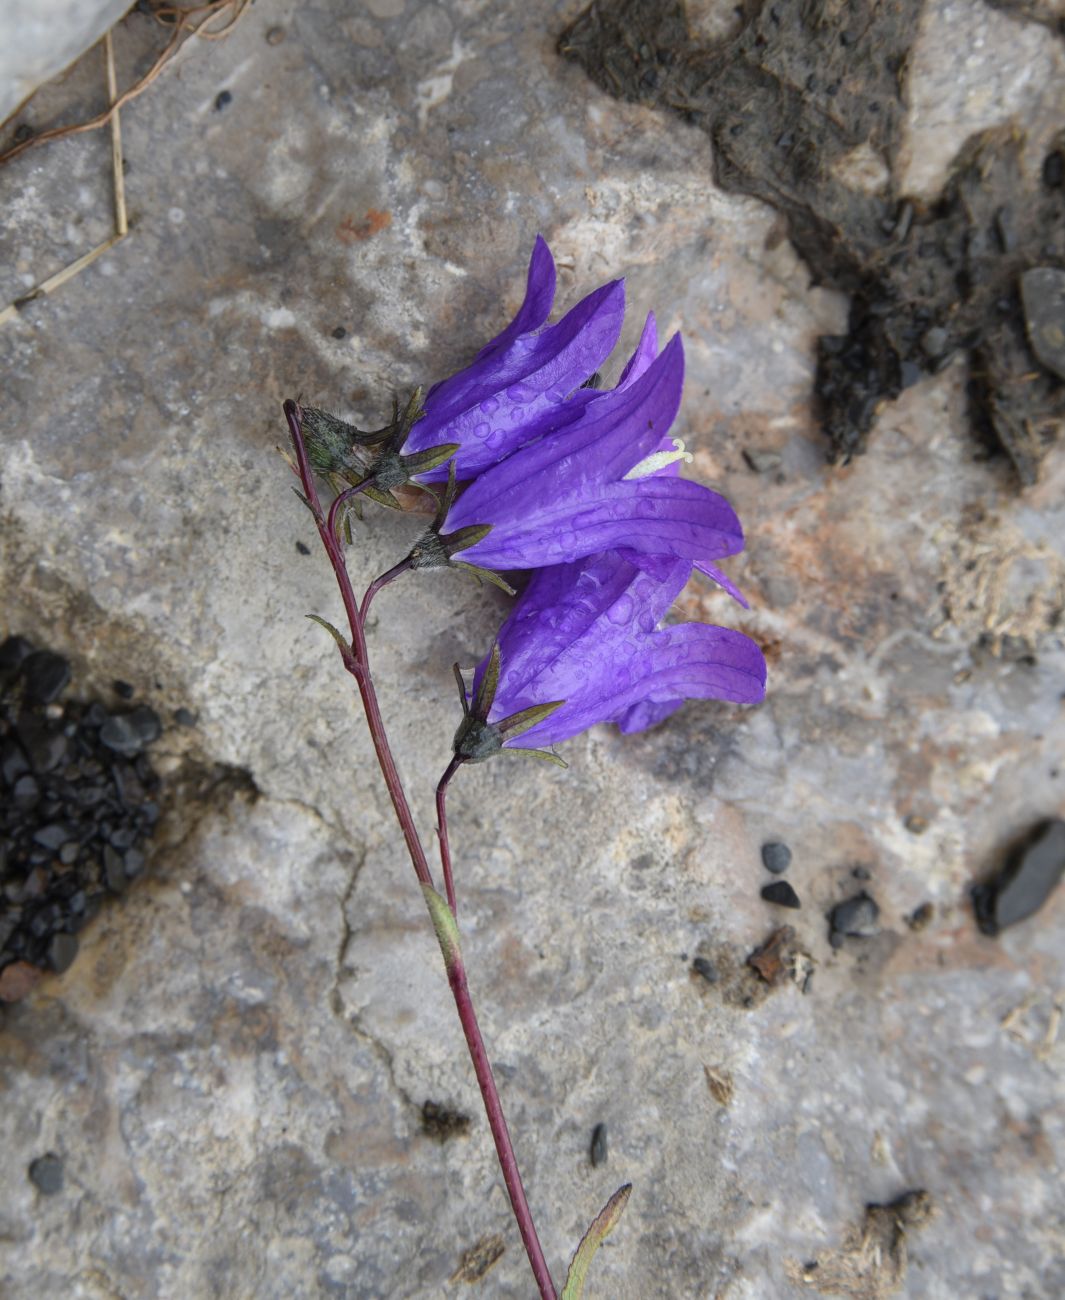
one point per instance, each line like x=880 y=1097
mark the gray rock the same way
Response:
x=38 y=38
x=1043 y=295
x=249 y=1033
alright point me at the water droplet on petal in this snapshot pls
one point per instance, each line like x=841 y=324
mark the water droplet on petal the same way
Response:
x=489 y=405
x=621 y=611
x=647 y=621
x=482 y=430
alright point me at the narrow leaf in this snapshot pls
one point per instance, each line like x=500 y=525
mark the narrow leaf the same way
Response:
x=486 y=692
x=445 y=925
x=602 y=1225
x=337 y=637
x=519 y=723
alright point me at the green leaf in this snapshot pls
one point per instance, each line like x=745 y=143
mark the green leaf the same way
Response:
x=445 y=925
x=337 y=637
x=382 y=498
x=602 y=1225
x=519 y=723
x=486 y=692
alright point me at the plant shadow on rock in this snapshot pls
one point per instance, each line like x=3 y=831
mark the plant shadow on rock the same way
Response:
x=796 y=93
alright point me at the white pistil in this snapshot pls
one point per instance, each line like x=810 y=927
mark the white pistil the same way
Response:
x=660 y=459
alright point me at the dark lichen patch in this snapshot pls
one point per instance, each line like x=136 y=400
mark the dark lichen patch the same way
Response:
x=786 y=99
x=442 y=1122
x=479 y=1258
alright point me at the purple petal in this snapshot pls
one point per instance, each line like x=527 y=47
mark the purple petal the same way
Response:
x=517 y=392
x=691 y=662
x=722 y=580
x=646 y=351
x=596 y=601
x=658 y=515
x=614 y=432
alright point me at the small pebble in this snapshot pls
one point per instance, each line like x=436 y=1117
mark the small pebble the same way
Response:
x=275 y=35
x=46 y=1174
x=129 y=733
x=1054 y=169
x=921 y=917
x=762 y=461
x=61 y=951
x=597 y=1150
x=916 y=824
x=303 y=548
x=861 y=873
x=13 y=652
x=185 y=717
x=776 y=857
x=222 y=100
x=340 y=332
x=46 y=676
x=705 y=967
x=855 y=918
x=123 y=690
x=1024 y=884
x=781 y=893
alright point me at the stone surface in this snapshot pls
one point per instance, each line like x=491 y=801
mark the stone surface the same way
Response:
x=40 y=37
x=234 y=1069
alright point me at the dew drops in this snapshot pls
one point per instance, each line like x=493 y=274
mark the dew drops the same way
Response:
x=621 y=611
x=490 y=405
x=647 y=621
x=482 y=430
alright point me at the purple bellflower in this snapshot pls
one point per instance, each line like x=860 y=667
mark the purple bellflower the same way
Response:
x=584 y=645
x=527 y=381
x=604 y=482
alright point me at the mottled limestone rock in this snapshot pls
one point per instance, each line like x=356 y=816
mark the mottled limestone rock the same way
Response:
x=233 y=1071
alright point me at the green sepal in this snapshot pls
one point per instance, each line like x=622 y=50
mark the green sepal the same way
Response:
x=485 y=575
x=548 y=755
x=333 y=632
x=383 y=498
x=519 y=723
x=463 y=700
x=445 y=925
x=465 y=537
x=486 y=692
x=420 y=462
x=303 y=499
x=602 y=1225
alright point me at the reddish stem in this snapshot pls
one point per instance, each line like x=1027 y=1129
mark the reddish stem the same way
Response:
x=441 y=830
x=382 y=580
x=357 y=663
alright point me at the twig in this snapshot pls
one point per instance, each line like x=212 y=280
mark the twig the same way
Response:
x=356 y=661
x=121 y=222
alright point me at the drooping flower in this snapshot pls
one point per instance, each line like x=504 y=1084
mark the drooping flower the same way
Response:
x=527 y=381
x=586 y=638
x=600 y=483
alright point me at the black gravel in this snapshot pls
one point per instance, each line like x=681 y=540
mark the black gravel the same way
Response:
x=776 y=857
x=597 y=1149
x=46 y=1174
x=781 y=893
x=855 y=918
x=78 y=805
x=1031 y=874
x=705 y=967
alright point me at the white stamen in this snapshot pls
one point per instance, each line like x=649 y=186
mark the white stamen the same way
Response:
x=660 y=459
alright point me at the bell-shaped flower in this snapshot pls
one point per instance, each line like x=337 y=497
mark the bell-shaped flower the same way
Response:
x=527 y=381
x=602 y=483
x=584 y=644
